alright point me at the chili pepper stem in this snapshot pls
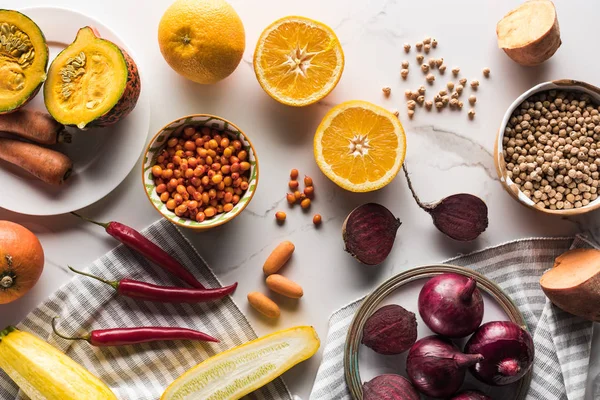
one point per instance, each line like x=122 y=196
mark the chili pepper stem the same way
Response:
x=85 y=337
x=426 y=207
x=102 y=224
x=114 y=284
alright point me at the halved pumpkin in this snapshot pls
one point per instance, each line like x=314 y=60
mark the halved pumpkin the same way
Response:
x=93 y=82
x=23 y=60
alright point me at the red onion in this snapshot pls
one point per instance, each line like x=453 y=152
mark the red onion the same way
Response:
x=471 y=395
x=389 y=387
x=436 y=366
x=507 y=350
x=451 y=305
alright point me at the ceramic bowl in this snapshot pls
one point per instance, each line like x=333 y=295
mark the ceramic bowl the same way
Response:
x=511 y=187
x=175 y=127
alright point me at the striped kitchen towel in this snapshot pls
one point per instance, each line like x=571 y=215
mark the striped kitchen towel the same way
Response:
x=140 y=372
x=562 y=341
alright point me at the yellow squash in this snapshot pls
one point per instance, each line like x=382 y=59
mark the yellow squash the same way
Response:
x=45 y=373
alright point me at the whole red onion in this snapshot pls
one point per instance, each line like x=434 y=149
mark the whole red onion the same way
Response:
x=389 y=387
x=451 y=305
x=471 y=395
x=436 y=366
x=507 y=349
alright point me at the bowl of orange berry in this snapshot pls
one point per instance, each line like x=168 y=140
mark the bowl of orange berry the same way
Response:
x=200 y=171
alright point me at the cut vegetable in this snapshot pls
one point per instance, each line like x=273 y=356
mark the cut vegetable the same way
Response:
x=235 y=373
x=43 y=372
x=36 y=126
x=47 y=165
x=92 y=82
x=530 y=34
x=574 y=283
x=23 y=60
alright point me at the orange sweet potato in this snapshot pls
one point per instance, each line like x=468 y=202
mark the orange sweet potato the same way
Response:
x=574 y=283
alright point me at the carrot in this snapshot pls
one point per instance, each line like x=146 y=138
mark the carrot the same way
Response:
x=36 y=126
x=574 y=283
x=47 y=165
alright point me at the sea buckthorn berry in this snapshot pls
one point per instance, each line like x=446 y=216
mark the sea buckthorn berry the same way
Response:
x=297 y=195
x=161 y=188
x=171 y=204
x=291 y=199
x=308 y=180
x=317 y=219
x=305 y=203
x=280 y=216
x=164 y=197
x=227 y=207
x=172 y=142
x=157 y=171
x=294 y=174
x=293 y=184
x=245 y=166
x=242 y=155
x=200 y=216
x=309 y=191
x=189 y=145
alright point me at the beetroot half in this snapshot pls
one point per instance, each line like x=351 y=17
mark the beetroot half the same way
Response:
x=451 y=305
x=436 y=366
x=507 y=349
x=390 y=330
x=471 y=395
x=369 y=233
x=389 y=387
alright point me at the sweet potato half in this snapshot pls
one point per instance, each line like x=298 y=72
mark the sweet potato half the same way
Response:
x=529 y=34
x=574 y=283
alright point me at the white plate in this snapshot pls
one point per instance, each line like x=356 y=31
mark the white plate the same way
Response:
x=102 y=157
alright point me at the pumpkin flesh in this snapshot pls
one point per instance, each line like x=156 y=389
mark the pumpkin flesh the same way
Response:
x=23 y=60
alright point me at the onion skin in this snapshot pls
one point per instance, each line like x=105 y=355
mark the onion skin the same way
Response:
x=390 y=330
x=369 y=233
x=436 y=366
x=471 y=395
x=451 y=305
x=389 y=387
x=507 y=349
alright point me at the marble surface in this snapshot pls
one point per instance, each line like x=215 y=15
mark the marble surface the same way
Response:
x=447 y=153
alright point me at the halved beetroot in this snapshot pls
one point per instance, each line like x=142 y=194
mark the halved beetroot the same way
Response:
x=93 y=82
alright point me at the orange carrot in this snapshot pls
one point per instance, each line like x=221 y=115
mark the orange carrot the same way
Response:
x=36 y=126
x=47 y=165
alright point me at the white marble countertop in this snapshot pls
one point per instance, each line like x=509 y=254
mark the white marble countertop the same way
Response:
x=447 y=153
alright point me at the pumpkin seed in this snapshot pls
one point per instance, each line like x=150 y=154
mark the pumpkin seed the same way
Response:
x=16 y=45
x=73 y=68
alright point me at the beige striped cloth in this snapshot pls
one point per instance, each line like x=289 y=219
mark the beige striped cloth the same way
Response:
x=140 y=372
x=562 y=341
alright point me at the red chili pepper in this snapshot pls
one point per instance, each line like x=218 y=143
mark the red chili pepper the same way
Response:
x=128 y=336
x=163 y=294
x=136 y=241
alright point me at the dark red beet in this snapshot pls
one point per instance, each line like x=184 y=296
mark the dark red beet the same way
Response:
x=389 y=387
x=390 y=330
x=436 y=366
x=507 y=349
x=369 y=233
x=451 y=305
x=471 y=395
x=461 y=216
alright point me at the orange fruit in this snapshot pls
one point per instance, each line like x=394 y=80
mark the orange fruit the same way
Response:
x=298 y=61
x=360 y=146
x=203 y=40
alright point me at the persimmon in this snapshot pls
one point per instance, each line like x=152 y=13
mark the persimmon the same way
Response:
x=21 y=261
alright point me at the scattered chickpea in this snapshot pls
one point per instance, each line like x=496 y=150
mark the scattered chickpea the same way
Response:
x=420 y=58
x=421 y=99
x=428 y=104
x=406 y=47
x=471 y=113
x=450 y=85
x=431 y=62
x=421 y=89
x=459 y=89
x=445 y=100
x=430 y=78
x=462 y=81
x=305 y=203
x=411 y=104
x=434 y=43
x=425 y=68
x=427 y=40
x=460 y=104
x=453 y=102
x=474 y=84
x=439 y=105
x=308 y=180
x=317 y=219
x=455 y=71
x=405 y=64
x=407 y=93
x=280 y=216
x=396 y=113
x=411 y=113
x=439 y=62
x=404 y=73
x=442 y=69
x=472 y=99
x=486 y=72
x=294 y=174
x=426 y=48
x=443 y=92
x=419 y=46
x=386 y=91
x=293 y=184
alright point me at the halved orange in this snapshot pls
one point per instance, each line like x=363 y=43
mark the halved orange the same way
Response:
x=298 y=61
x=360 y=146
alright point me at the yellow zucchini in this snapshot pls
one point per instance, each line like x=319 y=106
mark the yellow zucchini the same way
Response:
x=45 y=373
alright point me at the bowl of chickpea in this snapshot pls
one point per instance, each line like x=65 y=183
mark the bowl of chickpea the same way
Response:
x=200 y=171
x=547 y=151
